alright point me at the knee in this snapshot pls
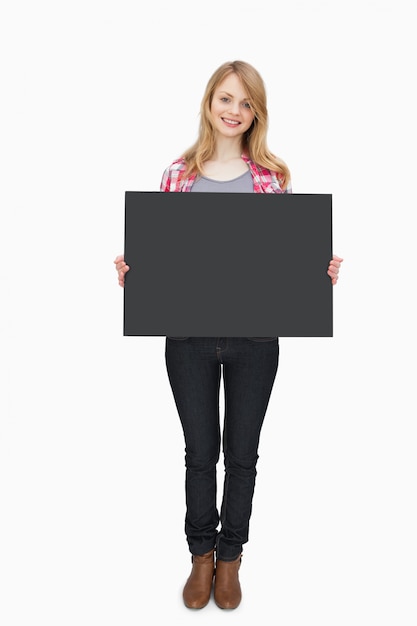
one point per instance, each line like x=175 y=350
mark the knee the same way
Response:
x=241 y=465
x=200 y=461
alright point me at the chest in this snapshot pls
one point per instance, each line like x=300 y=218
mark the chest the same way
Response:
x=225 y=171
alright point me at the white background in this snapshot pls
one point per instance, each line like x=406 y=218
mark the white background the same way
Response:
x=98 y=98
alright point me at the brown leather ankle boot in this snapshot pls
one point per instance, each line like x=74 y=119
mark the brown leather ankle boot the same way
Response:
x=197 y=589
x=227 y=591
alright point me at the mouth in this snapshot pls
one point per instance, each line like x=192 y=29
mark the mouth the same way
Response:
x=228 y=122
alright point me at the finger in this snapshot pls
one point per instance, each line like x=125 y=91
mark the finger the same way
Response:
x=337 y=258
x=122 y=273
x=334 y=265
x=119 y=258
x=333 y=278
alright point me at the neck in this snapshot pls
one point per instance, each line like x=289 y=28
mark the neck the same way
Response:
x=227 y=149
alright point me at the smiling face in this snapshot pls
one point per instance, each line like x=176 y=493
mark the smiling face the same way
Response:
x=230 y=109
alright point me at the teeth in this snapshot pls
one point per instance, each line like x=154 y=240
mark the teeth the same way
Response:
x=230 y=121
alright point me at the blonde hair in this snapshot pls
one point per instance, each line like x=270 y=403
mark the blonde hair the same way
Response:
x=253 y=141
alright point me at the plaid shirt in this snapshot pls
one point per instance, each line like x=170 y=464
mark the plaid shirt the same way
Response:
x=264 y=180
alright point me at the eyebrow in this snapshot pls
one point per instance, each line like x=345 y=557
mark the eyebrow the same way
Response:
x=230 y=95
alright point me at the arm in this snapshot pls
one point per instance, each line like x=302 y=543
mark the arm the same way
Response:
x=166 y=180
x=334 y=265
x=119 y=261
x=169 y=182
x=288 y=188
x=171 y=178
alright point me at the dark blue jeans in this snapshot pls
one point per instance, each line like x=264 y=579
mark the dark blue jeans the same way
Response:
x=194 y=367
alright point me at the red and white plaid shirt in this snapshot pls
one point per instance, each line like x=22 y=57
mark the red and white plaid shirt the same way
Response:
x=264 y=180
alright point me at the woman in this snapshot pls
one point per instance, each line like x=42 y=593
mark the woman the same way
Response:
x=230 y=155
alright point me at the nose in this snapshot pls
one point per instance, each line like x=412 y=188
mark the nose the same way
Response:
x=234 y=107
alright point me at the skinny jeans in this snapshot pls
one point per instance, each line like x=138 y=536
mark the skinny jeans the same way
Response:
x=195 y=366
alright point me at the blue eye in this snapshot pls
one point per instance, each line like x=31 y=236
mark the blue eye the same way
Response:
x=224 y=99
x=247 y=105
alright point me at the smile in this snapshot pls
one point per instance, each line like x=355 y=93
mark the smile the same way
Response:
x=232 y=122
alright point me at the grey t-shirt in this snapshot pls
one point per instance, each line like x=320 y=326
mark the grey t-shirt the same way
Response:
x=243 y=184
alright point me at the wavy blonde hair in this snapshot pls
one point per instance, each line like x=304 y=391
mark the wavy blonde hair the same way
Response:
x=254 y=139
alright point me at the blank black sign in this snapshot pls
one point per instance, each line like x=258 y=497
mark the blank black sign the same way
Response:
x=228 y=264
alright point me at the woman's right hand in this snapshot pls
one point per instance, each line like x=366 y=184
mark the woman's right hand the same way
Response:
x=121 y=268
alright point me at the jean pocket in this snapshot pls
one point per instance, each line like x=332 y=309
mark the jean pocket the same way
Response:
x=262 y=338
x=178 y=338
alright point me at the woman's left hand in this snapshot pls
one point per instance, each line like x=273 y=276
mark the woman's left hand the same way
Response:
x=333 y=269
